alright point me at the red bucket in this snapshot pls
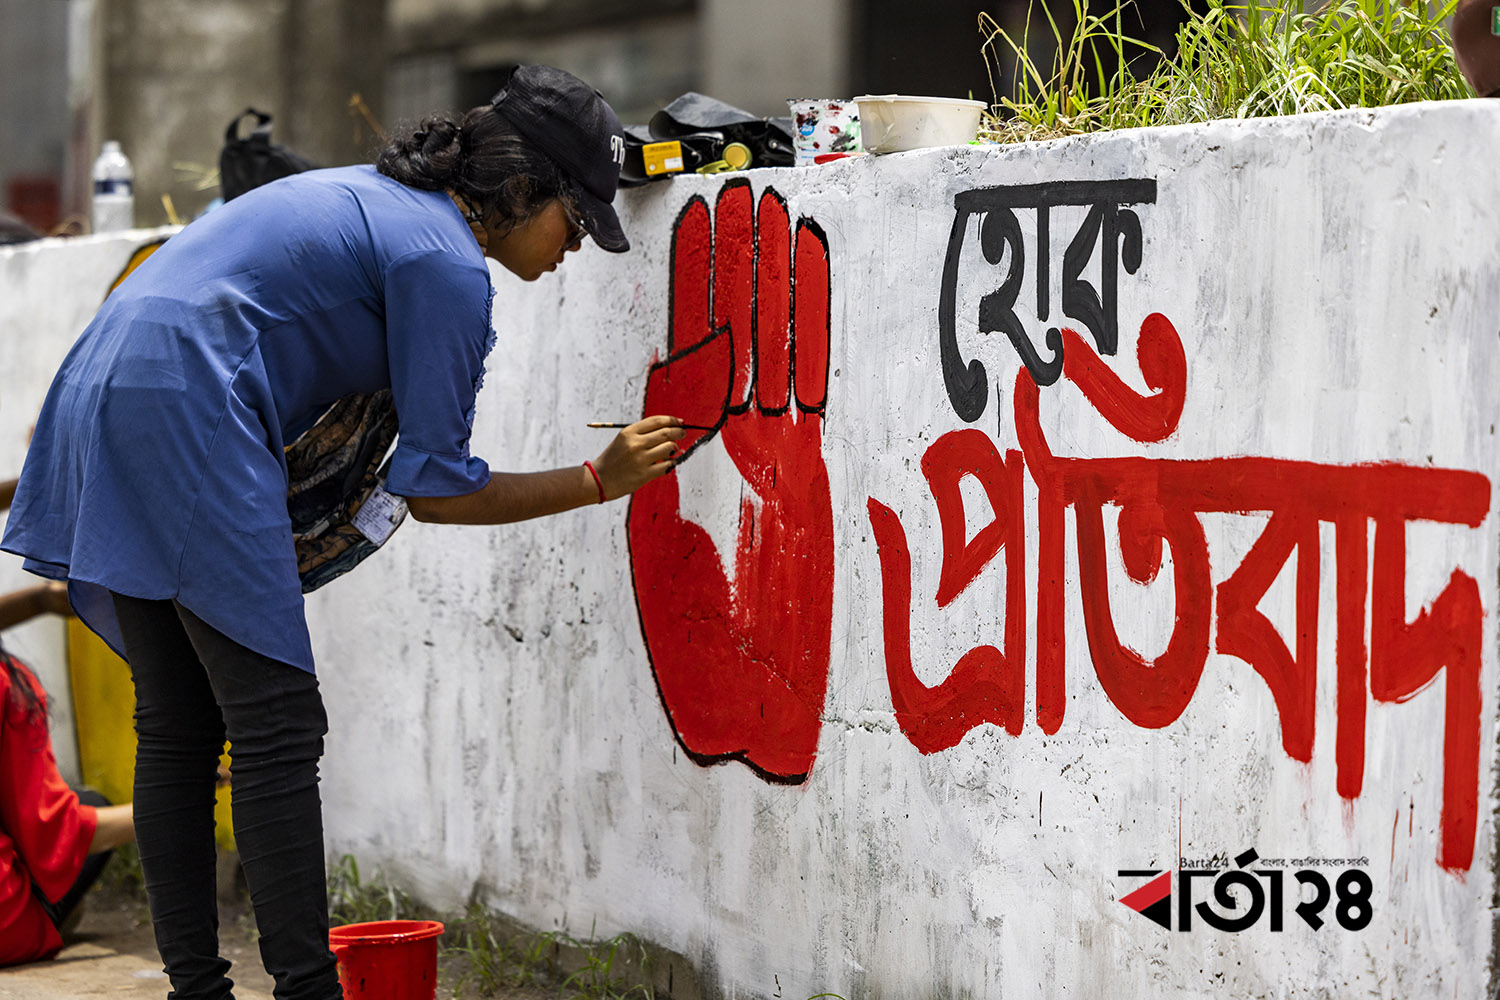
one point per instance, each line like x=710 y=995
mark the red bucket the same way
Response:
x=387 y=959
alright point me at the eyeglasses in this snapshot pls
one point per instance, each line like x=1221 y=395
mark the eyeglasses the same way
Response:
x=576 y=229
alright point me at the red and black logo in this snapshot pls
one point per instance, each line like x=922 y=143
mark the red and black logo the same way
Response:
x=1241 y=896
x=1154 y=899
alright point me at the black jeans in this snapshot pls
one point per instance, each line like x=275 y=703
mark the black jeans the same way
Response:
x=194 y=687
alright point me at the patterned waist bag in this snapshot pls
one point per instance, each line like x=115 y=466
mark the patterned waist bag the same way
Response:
x=339 y=508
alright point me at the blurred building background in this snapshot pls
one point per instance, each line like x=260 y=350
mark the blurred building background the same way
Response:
x=166 y=77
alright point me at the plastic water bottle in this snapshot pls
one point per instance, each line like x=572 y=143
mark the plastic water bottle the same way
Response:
x=114 y=190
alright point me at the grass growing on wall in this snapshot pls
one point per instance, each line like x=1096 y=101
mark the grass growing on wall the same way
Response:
x=1234 y=61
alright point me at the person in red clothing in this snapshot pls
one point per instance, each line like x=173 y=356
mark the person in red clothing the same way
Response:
x=50 y=841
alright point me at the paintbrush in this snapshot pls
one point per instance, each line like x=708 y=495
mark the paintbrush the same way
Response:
x=691 y=427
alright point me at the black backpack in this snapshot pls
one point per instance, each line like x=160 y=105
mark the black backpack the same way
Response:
x=255 y=160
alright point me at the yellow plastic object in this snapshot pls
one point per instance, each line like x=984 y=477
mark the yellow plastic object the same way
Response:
x=736 y=157
x=104 y=709
x=138 y=258
x=662 y=157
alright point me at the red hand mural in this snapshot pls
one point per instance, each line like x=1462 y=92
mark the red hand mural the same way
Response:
x=741 y=660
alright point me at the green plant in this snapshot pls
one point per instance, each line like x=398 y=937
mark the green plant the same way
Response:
x=596 y=979
x=490 y=960
x=351 y=901
x=488 y=954
x=1232 y=61
x=1081 y=91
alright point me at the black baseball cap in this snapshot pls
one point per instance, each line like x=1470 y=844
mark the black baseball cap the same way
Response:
x=573 y=124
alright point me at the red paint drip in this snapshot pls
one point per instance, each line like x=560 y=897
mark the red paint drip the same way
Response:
x=1395 y=825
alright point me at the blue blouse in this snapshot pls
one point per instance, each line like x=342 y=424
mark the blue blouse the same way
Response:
x=157 y=466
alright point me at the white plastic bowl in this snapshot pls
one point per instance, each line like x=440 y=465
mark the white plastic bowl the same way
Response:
x=890 y=123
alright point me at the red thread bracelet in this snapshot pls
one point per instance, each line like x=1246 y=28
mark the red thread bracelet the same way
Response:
x=597 y=481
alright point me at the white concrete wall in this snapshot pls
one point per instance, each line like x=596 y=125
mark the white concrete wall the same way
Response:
x=497 y=722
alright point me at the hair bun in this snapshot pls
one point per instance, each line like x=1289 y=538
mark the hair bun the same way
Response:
x=437 y=135
x=429 y=156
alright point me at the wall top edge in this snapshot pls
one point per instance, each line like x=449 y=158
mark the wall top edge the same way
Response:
x=1474 y=113
x=134 y=237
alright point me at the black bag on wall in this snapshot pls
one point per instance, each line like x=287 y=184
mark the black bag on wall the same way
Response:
x=704 y=127
x=255 y=160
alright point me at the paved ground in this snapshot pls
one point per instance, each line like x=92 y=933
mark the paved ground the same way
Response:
x=112 y=955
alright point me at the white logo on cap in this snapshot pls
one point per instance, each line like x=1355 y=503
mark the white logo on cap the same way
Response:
x=617 y=149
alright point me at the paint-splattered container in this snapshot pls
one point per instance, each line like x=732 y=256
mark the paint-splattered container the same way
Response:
x=896 y=122
x=387 y=959
x=822 y=126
